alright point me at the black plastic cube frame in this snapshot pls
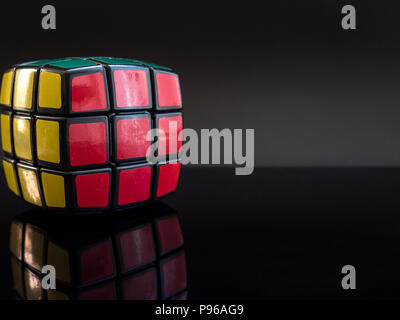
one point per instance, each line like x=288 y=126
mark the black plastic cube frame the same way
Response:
x=110 y=71
x=38 y=179
x=34 y=89
x=113 y=120
x=116 y=171
x=66 y=90
x=156 y=174
x=32 y=128
x=155 y=91
x=10 y=114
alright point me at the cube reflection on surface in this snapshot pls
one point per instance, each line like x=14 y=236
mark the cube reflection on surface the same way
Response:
x=129 y=255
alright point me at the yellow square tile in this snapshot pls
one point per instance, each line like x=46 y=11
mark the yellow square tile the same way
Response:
x=6 y=132
x=48 y=140
x=29 y=186
x=11 y=178
x=59 y=258
x=16 y=239
x=22 y=138
x=6 y=86
x=49 y=90
x=33 y=247
x=23 y=88
x=54 y=190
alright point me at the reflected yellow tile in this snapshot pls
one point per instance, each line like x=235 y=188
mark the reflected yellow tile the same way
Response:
x=16 y=270
x=22 y=138
x=10 y=177
x=16 y=239
x=6 y=85
x=6 y=132
x=49 y=90
x=48 y=140
x=59 y=258
x=23 y=88
x=33 y=286
x=34 y=246
x=29 y=186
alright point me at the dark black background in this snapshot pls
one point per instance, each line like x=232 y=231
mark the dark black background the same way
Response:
x=324 y=103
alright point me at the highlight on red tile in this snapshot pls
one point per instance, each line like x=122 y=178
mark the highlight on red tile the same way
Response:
x=104 y=292
x=168 y=90
x=131 y=88
x=137 y=247
x=170 y=234
x=173 y=271
x=133 y=184
x=141 y=286
x=168 y=177
x=97 y=262
x=172 y=128
x=131 y=133
x=87 y=143
x=92 y=189
x=88 y=93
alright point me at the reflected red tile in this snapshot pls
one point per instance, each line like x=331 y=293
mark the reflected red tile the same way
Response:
x=141 y=286
x=170 y=234
x=97 y=262
x=137 y=247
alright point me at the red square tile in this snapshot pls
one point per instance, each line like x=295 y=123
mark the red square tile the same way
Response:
x=137 y=247
x=131 y=88
x=134 y=185
x=141 y=286
x=168 y=177
x=97 y=262
x=106 y=292
x=92 y=190
x=168 y=90
x=172 y=128
x=87 y=143
x=173 y=271
x=170 y=234
x=131 y=137
x=88 y=93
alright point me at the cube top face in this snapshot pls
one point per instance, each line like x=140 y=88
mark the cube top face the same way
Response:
x=125 y=257
x=75 y=126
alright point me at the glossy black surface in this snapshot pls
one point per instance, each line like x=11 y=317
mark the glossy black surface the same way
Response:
x=279 y=233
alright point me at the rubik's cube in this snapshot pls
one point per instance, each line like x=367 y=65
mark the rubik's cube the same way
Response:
x=132 y=256
x=75 y=132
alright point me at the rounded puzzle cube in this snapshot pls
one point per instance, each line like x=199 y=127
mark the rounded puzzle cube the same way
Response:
x=75 y=132
x=137 y=255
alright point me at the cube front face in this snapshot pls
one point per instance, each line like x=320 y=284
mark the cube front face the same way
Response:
x=65 y=121
x=141 y=258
